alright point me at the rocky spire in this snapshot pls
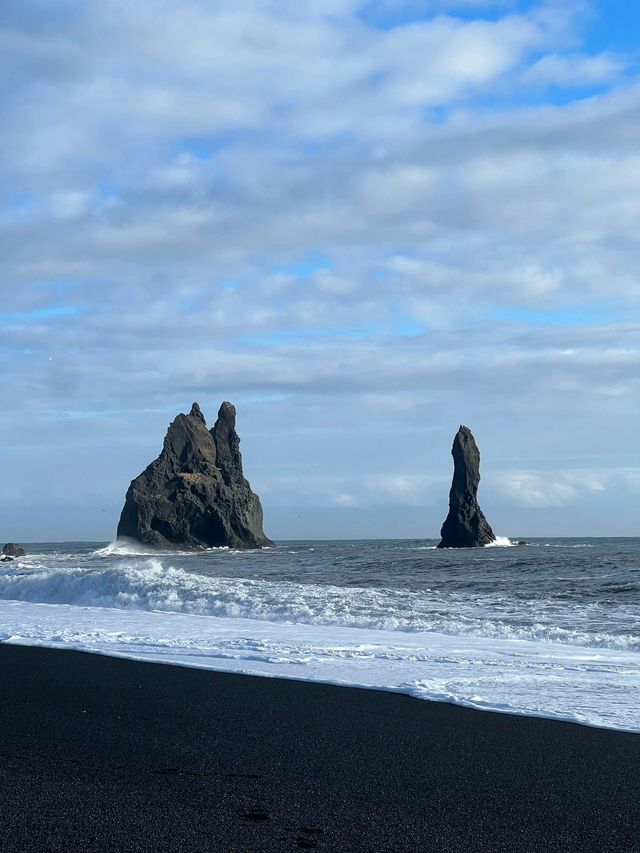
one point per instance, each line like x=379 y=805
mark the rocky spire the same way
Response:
x=188 y=442
x=465 y=526
x=227 y=445
x=196 y=412
x=194 y=495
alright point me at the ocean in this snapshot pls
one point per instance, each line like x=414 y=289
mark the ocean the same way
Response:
x=550 y=628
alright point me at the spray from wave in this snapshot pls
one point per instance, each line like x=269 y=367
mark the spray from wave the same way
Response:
x=123 y=547
x=501 y=542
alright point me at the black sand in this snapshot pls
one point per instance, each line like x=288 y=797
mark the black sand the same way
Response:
x=100 y=754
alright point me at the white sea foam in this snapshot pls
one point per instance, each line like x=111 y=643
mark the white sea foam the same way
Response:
x=523 y=677
x=501 y=542
x=124 y=547
x=152 y=585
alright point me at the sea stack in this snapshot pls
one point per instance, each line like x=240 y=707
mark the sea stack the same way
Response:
x=465 y=526
x=13 y=550
x=194 y=495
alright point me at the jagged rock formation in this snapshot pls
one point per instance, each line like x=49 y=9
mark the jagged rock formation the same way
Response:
x=194 y=495
x=465 y=526
x=13 y=550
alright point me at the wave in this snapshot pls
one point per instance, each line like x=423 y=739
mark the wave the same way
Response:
x=146 y=584
x=501 y=542
x=123 y=547
x=498 y=542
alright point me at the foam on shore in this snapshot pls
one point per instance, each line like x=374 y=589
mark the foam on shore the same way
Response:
x=567 y=682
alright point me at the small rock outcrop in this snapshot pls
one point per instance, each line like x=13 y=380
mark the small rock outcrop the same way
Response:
x=13 y=550
x=465 y=526
x=194 y=495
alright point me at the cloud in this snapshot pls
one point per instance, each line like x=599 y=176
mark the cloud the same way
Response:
x=574 y=70
x=357 y=227
x=344 y=499
x=560 y=488
x=404 y=488
x=533 y=490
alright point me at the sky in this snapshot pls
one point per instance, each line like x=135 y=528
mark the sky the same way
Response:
x=364 y=223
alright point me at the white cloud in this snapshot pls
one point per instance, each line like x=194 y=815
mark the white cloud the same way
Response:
x=403 y=488
x=550 y=489
x=344 y=499
x=441 y=60
x=574 y=70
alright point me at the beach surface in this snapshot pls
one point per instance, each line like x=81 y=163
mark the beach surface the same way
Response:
x=106 y=754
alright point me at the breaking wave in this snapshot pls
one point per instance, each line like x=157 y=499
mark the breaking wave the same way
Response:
x=130 y=548
x=501 y=542
x=148 y=585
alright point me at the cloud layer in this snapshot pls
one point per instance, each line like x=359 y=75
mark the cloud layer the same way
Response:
x=364 y=224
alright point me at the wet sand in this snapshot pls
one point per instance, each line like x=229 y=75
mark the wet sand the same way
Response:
x=103 y=754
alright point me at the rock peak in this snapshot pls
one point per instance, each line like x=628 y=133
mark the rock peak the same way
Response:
x=194 y=495
x=11 y=549
x=227 y=413
x=196 y=413
x=227 y=444
x=465 y=526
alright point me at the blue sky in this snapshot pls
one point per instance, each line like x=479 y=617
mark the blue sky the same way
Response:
x=363 y=223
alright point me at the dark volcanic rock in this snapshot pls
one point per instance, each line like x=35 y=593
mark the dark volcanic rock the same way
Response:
x=194 y=495
x=225 y=438
x=465 y=526
x=13 y=550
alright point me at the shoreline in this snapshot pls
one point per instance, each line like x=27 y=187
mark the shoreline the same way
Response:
x=103 y=753
x=391 y=690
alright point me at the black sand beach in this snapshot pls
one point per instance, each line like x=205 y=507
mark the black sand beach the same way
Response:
x=102 y=754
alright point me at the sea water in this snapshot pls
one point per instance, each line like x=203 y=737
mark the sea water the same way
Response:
x=550 y=628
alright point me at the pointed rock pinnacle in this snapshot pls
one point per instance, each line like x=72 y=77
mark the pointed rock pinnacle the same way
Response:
x=465 y=526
